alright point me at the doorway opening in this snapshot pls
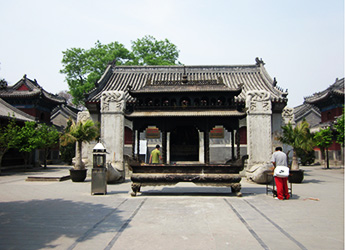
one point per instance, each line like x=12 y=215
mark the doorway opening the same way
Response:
x=184 y=144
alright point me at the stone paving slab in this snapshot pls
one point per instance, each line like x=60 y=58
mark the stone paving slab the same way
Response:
x=64 y=215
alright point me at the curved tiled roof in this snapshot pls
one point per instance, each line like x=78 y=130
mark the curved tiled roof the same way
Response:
x=7 y=110
x=336 y=88
x=303 y=109
x=66 y=111
x=31 y=89
x=252 y=77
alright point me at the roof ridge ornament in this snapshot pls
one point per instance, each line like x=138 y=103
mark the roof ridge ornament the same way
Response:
x=184 y=77
x=112 y=63
x=259 y=62
x=3 y=84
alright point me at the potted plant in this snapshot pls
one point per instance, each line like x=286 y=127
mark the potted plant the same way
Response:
x=299 y=138
x=82 y=131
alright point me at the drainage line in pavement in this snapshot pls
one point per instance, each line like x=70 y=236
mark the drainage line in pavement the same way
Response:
x=124 y=226
x=264 y=246
x=278 y=227
x=88 y=232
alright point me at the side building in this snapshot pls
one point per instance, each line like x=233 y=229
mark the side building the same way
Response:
x=30 y=98
x=330 y=102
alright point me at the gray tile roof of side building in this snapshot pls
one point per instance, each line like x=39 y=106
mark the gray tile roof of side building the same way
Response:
x=303 y=109
x=65 y=110
x=7 y=110
x=250 y=77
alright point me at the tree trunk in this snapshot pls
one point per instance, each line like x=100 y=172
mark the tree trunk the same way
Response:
x=327 y=158
x=294 y=165
x=45 y=157
x=79 y=163
x=1 y=155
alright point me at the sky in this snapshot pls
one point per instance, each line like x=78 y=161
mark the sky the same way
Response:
x=300 y=41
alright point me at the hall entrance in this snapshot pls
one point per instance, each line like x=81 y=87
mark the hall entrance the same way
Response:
x=184 y=144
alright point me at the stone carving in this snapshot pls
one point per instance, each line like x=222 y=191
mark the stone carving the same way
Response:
x=258 y=101
x=258 y=173
x=83 y=116
x=259 y=114
x=288 y=116
x=116 y=97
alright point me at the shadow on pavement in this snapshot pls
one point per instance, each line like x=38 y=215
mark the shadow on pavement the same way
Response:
x=38 y=224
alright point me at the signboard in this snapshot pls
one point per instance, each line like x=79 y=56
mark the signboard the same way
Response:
x=153 y=133
x=217 y=133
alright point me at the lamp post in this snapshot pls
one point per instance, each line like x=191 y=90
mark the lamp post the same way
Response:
x=99 y=170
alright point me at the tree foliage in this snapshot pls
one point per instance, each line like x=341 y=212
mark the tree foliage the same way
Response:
x=324 y=139
x=149 y=51
x=67 y=150
x=80 y=132
x=26 y=140
x=48 y=138
x=299 y=138
x=83 y=67
x=7 y=133
x=340 y=127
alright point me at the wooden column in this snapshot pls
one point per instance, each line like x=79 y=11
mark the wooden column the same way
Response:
x=164 y=146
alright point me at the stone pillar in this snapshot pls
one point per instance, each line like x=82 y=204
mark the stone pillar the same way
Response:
x=238 y=145
x=168 y=148
x=87 y=147
x=207 y=146
x=259 y=136
x=286 y=118
x=133 y=143
x=201 y=147
x=113 y=105
x=232 y=144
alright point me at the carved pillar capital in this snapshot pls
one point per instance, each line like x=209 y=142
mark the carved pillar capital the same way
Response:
x=258 y=102
x=113 y=102
x=83 y=116
x=288 y=116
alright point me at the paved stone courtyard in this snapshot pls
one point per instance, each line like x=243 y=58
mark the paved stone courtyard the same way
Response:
x=64 y=215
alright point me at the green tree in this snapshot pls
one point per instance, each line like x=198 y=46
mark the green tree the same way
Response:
x=82 y=68
x=7 y=133
x=323 y=140
x=26 y=140
x=299 y=138
x=149 y=51
x=48 y=137
x=80 y=132
x=68 y=150
x=340 y=128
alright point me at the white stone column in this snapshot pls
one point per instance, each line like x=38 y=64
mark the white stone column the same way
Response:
x=168 y=148
x=113 y=104
x=259 y=135
x=201 y=147
x=286 y=118
x=87 y=147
